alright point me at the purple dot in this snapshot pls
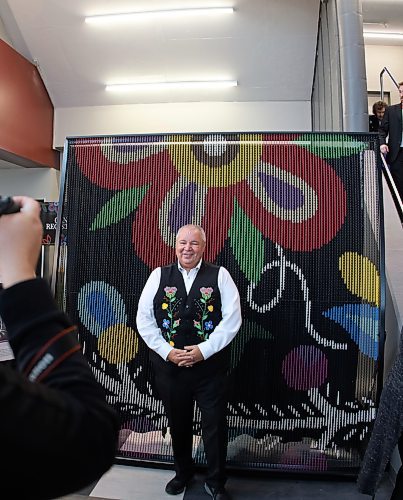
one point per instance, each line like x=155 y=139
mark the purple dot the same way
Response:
x=305 y=367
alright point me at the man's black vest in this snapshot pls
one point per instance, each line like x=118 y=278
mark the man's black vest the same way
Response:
x=188 y=319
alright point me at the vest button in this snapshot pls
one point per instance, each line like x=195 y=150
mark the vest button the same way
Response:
x=187 y=307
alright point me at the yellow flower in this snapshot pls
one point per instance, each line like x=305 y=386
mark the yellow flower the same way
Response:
x=164 y=305
x=172 y=343
x=210 y=308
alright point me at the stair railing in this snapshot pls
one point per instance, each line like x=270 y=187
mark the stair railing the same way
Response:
x=385 y=70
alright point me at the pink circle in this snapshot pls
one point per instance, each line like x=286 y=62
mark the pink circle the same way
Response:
x=305 y=367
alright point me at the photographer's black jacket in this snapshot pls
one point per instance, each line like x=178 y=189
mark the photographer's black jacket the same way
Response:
x=57 y=433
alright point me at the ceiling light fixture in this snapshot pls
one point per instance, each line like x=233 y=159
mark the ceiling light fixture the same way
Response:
x=203 y=84
x=384 y=36
x=133 y=16
x=375 y=25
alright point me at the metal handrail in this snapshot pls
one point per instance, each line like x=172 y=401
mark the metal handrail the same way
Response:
x=393 y=189
x=385 y=70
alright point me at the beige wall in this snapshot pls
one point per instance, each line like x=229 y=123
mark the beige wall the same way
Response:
x=182 y=117
x=39 y=183
x=376 y=58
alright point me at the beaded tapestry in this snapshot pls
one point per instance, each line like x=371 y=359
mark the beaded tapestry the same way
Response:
x=296 y=220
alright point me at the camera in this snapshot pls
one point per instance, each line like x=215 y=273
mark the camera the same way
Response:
x=8 y=206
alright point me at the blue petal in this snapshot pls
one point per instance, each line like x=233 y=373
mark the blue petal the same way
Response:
x=361 y=321
x=100 y=306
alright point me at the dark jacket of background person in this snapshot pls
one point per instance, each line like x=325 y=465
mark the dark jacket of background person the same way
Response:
x=378 y=111
x=57 y=432
x=386 y=432
x=391 y=126
x=373 y=123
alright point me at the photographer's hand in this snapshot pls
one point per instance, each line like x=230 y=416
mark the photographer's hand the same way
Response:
x=20 y=242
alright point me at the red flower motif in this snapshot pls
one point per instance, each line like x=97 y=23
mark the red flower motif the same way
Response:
x=291 y=196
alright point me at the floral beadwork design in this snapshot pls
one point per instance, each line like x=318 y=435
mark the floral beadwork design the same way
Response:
x=205 y=306
x=221 y=181
x=170 y=304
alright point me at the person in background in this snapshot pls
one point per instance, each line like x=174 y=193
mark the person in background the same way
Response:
x=188 y=314
x=391 y=140
x=378 y=110
x=57 y=432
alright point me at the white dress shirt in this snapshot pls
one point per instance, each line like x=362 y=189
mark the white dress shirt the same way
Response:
x=223 y=333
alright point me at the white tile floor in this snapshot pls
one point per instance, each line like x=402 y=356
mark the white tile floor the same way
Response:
x=124 y=482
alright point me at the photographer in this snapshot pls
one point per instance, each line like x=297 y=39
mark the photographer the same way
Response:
x=57 y=432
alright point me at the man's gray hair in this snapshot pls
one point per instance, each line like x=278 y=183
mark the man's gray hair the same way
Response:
x=194 y=227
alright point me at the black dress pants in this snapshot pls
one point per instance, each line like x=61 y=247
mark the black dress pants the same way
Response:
x=179 y=388
x=396 y=170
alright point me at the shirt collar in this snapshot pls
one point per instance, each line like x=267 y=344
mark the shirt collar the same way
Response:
x=181 y=269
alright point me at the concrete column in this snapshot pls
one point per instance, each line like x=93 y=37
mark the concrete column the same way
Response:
x=352 y=65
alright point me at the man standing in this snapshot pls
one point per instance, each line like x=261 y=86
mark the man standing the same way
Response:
x=391 y=126
x=188 y=314
x=378 y=110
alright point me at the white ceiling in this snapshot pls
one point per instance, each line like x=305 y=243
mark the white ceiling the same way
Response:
x=265 y=45
x=268 y=46
x=383 y=16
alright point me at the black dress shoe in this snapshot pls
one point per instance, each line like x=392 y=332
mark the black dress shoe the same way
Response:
x=176 y=486
x=219 y=493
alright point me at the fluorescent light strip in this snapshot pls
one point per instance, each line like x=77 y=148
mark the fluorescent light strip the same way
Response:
x=133 y=16
x=385 y=36
x=373 y=25
x=133 y=87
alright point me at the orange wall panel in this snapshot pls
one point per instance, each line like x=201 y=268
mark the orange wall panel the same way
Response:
x=26 y=111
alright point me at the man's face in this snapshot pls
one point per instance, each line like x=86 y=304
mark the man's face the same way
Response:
x=379 y=113
x=401 y=93
x=189 y=247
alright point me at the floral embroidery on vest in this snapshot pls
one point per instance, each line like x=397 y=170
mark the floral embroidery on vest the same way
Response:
x=170 y=304
x=205 y=306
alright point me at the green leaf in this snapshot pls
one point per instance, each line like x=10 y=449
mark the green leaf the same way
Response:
x=247 y=244
x=118 y=207
x=331 y=146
